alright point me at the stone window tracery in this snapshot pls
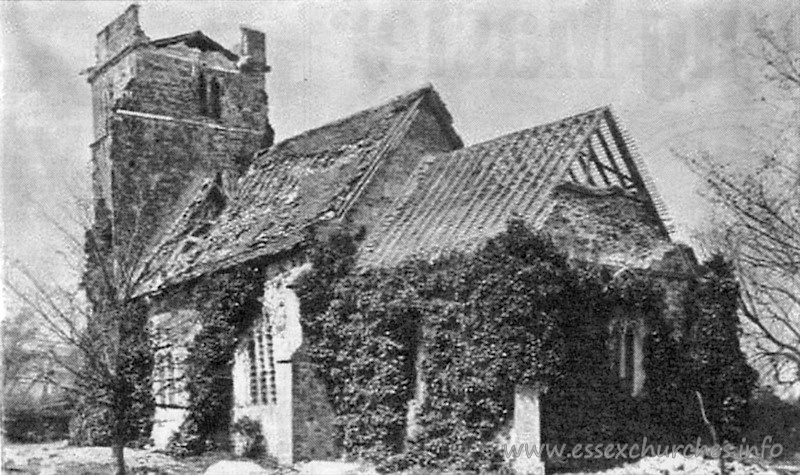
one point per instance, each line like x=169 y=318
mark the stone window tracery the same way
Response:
x=166 y=380
x=261 y=364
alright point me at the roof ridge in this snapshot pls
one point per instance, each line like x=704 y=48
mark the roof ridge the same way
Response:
x=407 y=97
x=596 y=110
x=398 y=130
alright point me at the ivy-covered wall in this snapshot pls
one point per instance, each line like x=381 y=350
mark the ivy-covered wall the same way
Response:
x=456 y=336
x=282 y=391
x=505 y=316
x=227 y=303
x=114 y=404
x=312 y=415
x=484 y=323
x=702 y=355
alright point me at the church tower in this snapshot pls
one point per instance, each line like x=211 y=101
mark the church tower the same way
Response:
x=169 y=115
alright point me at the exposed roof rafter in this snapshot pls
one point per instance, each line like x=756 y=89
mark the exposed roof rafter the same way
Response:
x=638 y=172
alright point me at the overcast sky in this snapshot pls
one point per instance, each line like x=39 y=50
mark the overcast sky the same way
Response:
x=671 y=71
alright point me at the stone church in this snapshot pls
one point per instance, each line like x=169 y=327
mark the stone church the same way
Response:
x=185 y=166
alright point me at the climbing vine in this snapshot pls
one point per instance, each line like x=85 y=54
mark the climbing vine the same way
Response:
x=484 y=322
x=114 y=404
x=228 y=302
x=718 y=368
x=360 y=330
x=499 y=320
x=118 y=408
x=706 y=358
x=472 y=328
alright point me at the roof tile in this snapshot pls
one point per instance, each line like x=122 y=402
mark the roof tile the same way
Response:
x=305 y=179
x=456 y=200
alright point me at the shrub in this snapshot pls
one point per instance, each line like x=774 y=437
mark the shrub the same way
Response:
x=124 y=401
x=770 y=416
x=714 y=362
x=247 y=439
x=90 y=425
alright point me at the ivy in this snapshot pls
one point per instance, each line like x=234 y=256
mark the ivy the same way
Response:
x=361 y=337
x=583 y=405
x=115 y=405
x=125 y=402
x=498 y=321
x=707 y=359
x=228 y=301
x=485 y=323
x=636 y=293
x=251 y=438
x=507 y=315
x=714 y=363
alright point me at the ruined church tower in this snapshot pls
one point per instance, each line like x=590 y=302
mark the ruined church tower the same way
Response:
x=170 y=115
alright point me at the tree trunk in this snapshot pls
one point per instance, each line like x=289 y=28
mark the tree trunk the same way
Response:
x=713 y=431
x=119 y=457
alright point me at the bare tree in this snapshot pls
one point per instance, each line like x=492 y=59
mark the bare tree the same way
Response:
x=103 y=323
x=19 y=352
x=759 y=227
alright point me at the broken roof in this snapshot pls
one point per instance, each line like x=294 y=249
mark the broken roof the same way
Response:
x=194 y=40
x=452 y=201
x=607 y=226
x=456 y=201
x=306 y=179
x=199 y=40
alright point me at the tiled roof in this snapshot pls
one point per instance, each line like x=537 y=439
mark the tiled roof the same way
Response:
x=195 y=210
x=453 y=201
x=457 y=200
x=300 y=181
